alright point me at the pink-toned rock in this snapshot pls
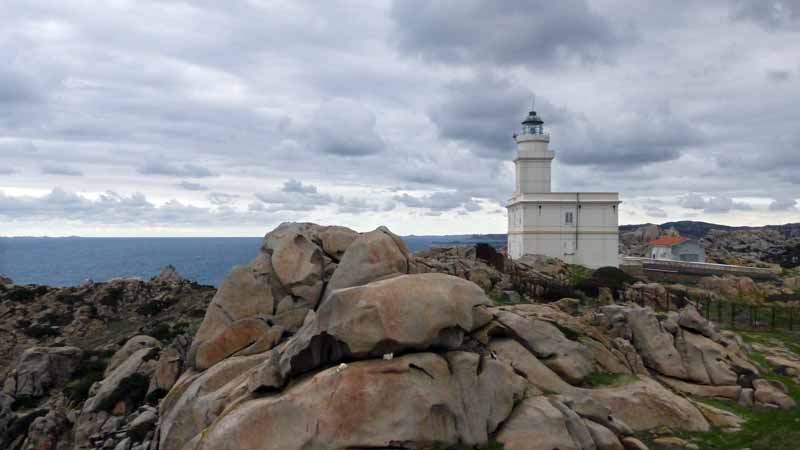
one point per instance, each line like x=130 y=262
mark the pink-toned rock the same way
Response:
x=243 y=337
x=372 y=256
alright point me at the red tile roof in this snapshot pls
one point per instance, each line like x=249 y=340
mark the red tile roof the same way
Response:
x=668 y=241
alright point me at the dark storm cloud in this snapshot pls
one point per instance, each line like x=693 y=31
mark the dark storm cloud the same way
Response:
x=518 y=32
x=57 y=169
x=178 y=170
x=482 y=112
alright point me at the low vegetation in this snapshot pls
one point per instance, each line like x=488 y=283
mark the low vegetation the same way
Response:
x=605 y=379
x=492 y=445
x=764 y=429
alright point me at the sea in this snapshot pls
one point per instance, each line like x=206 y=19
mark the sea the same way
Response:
x=72 y=261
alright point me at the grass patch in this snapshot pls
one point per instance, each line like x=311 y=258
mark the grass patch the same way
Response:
x=577 y=275
x=605 y=379
x=90 y=370
x=764 y=429
x=500 y=298
x=492 y=445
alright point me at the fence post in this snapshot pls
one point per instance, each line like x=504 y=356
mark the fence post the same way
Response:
x=708 y=309
x=733 y=315
x=719 y=313
x=773 y=317
x=753 y=319
x=791 y=318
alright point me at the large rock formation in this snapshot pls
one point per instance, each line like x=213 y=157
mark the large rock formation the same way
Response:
x=386 y=357
x=332 y=339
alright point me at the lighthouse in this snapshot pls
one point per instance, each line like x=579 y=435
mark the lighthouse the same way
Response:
x=577 y=227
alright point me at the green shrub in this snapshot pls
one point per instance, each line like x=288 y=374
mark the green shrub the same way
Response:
x=605 y=379
x=577 y=274
x=20 y=294
x=151 y=308
x=40 y=331
x=491 y=445
x=112 y=296
x=90 y=370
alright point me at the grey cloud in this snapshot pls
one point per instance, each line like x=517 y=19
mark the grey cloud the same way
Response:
x=438 y=201
x=654 y=211
x=769 y=14
x=518 y=32
x=56 y=169
x=112 y=208
x=714 y=204
x=298 y=186
x=778 y=76
x=221 y=198
x=189 y=186
x=294 y=196
x=344 y=127
x=632 y=139
x=7 y=171
x=722 y=204
x=335 y=102
x=783 y=204
x=693 y=201
x=178 y=170
x=355 y=206
x=482 y=113
x=16 y=87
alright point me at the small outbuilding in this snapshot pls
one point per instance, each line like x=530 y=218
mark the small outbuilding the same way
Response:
x=676 y=248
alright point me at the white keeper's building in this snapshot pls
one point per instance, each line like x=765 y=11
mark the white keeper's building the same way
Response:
x=577 y=227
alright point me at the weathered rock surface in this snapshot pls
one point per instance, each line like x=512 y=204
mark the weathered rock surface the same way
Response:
x=333 y=339
x=40 y=369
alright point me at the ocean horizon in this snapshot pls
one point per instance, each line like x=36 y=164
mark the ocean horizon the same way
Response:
x=70 y=261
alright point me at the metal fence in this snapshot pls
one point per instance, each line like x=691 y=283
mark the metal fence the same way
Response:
x=747 y=316
x=727 y=314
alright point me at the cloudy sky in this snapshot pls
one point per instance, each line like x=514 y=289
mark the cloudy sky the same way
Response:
x=178 y=118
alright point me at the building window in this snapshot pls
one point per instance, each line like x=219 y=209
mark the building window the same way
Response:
x=569 y=218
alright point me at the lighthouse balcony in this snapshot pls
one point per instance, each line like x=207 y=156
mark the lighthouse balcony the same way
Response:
x=543 y=137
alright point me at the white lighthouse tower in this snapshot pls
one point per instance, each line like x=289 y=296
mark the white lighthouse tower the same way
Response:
x=577 y=227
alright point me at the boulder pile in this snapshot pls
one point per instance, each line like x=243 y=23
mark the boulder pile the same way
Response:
x=333 y=339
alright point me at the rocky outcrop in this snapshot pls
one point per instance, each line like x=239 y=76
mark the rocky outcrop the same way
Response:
x=402 y=359
x=40 y=369
x=333 y=339
x=96 y=315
